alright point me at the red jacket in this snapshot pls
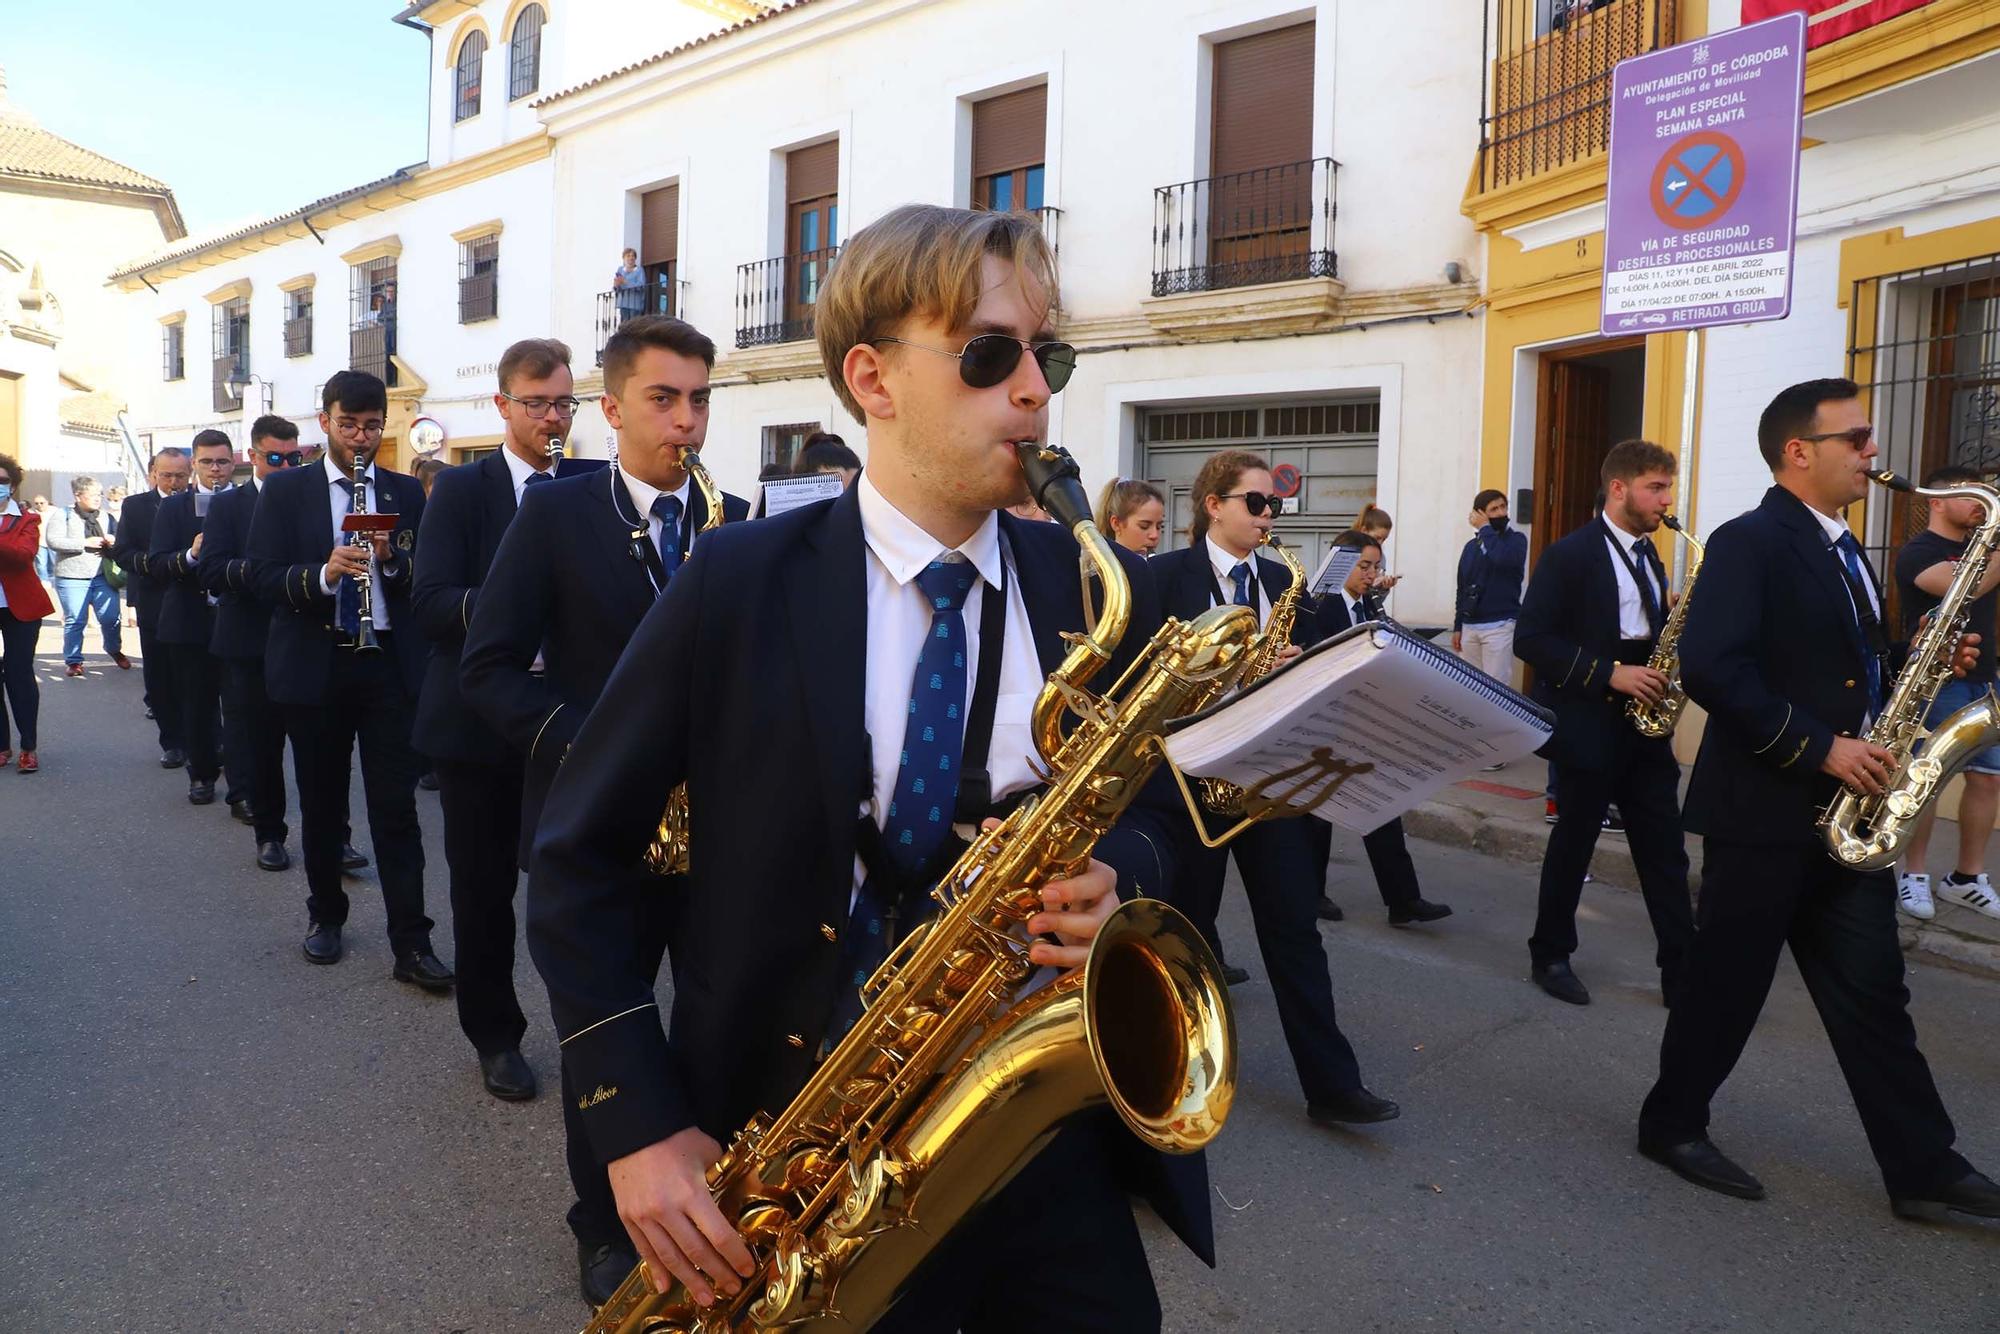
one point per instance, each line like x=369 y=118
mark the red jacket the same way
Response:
x=20 y=539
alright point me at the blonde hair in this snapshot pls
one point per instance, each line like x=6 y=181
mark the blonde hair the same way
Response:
x=922 y=260
x=1121 y=496
x=1216 y=477
x=1373 y=516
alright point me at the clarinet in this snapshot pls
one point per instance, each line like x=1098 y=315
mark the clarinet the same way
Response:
x=556 y=451
x=364 y=641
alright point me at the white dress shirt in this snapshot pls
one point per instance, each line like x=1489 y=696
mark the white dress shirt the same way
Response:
x=899 y=619
x=520 y=471
x=1223 y=563
x=340 y=497
x=1835 y=529
x=643 y=497
x=200 y=491
x=1633 y=622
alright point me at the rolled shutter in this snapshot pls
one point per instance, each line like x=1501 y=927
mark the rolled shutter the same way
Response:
x=1262 y=108
x=812 y=173
x=1010 y=132
x=660 y=225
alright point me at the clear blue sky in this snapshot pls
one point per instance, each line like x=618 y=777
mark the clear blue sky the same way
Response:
x=244 y=109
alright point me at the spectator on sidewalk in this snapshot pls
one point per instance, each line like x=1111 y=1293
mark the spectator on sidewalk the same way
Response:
x=23 y=604
x=1490 y=572
x=45 y=560
x=82 y=538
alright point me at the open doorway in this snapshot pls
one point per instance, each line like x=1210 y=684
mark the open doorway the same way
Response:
x=1591 y=396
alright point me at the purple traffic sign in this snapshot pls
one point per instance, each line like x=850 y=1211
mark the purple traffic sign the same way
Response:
x=1702 y=201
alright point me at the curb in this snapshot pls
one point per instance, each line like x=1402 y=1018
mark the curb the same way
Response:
x=1519 y=841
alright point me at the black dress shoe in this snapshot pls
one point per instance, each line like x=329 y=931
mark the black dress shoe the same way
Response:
x=507 y=1076
x=1701 y=1162
x=424 y=969
x=351 y=858
x=1355 y=1107
x=173 y=759
x=1970 y=1194
x=429 y=782
x=1559 y=981
x=240 y=808
x=1232 y=976
x=1329 y=911
x=273 y=857
x=323 y=943
x=201 y=794
x=1420 y=910
x=603 y=1268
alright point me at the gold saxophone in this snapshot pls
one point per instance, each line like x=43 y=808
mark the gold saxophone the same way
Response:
x=1225 y=798
x=1870 y=832
x=667 y=854
x=1658 y=720
x=955 y=1075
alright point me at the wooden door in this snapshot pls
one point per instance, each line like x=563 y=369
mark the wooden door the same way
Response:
x=1575 y=436
x=812 y=233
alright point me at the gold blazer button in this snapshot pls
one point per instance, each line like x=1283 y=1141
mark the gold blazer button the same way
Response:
x=796 y=1039
x=826 y=929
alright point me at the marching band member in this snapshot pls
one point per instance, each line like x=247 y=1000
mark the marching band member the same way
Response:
x=168 y=472
x=186 y=618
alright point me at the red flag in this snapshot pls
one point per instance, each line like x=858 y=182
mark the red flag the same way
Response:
x=1830 y=20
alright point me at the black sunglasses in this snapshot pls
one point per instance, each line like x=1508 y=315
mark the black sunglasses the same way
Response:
x=1257 y=502
x=280 y=458
x=991 y=358
x=1858 y=437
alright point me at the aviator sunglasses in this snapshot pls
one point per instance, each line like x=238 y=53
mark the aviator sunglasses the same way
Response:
x=1257 y=502
x=284 y=458
x=991 y=358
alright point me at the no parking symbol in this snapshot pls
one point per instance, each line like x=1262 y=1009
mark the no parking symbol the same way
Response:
x=1697 y=180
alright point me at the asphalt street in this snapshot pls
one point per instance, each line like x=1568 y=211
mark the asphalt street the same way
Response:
x=203 y=1132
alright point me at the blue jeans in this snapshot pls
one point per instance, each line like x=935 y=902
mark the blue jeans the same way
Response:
x=1955 y=696
x=82 y=596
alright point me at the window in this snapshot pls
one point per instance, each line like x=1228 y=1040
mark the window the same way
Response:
x=812 y=224
x=1008 y=137
x=465 y=82
x=298 y=322
x=371 y=339
x=478 y=279
x=783 y=443
x=524 y=53
x=232 y=350
x=173 y=350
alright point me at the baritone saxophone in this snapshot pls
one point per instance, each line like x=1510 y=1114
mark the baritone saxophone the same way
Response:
x=958 y=1071
x=1659 y=720
x=667 y=854
x=1868 y=833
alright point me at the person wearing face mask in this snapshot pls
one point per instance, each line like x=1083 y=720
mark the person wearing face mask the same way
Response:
x=23 y=604
x=1132 y=513
x=1491 y=569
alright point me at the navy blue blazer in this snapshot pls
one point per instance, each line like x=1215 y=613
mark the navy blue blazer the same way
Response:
x=563 y=583
x=1188 y=587
x=1568 y=632
x=242 y=623
x=132 y=550
x=185 y=616
x=291 y=536
x=746 y=681
x=1771 y=649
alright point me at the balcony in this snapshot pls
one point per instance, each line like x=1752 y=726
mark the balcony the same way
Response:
x=1051 y=220
x=660 y=295
x=774 y=297
x=1548 y=92
x=478 y=296
x=299 y=336
x=371 y=342
x=1271 y=225
x=229 y=366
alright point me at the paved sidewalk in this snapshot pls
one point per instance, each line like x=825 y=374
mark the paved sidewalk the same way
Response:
x=1501 y=815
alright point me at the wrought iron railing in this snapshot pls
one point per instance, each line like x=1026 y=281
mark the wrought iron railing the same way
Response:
x=299 y=336
x=775 y=297
x=478 y=296
x=1051 y=219
x=1271 y=225
x=229 y=366
x=1546 y=99
x=659 y=294
x=370 y=344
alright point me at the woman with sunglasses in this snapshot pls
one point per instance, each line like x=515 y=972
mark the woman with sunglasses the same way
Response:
x=23 y=604
x=1282 y=866
x=1133 y=514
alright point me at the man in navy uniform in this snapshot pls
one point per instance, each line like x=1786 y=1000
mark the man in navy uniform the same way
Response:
x=168 y=471
x=1784 y=648
x=577 y=570
x=782 y=677
x=332 y=687
x=187 y=617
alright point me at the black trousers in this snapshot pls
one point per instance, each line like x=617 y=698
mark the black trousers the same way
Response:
x=1644 y=780
x=253 y=746
x=1388 y=857
x=1057 y=1249
x=366 y=703
x=197 y=677
x=17 y=678
x=1841 y=925
x=1283 y=877
x=482 y=825
x=162 y=697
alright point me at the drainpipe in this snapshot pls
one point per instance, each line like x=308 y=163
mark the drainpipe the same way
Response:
x=406 y=19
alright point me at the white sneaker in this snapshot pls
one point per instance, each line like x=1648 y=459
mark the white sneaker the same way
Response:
x=1974 y=894
x=1913 y=896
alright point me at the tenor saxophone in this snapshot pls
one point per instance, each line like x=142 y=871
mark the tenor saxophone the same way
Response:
x=957 y=1072
x=1659 y=720
x=667 y=854
x=1220 y=796
x=1869 y=833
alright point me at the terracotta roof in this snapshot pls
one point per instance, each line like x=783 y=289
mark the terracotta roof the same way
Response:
x=26 y=149
x=96 y=412
x=775 y=11
x=236 y=231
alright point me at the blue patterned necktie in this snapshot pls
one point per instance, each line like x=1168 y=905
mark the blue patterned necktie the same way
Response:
x=347 y=593
x=1241 y=574
x=1864 y=613
x=667 y=509
x=534 y=477
x=921 y=804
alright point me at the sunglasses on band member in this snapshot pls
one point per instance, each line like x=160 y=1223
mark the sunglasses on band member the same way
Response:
x=1858 y=437
x=990 y=358
x=284 y=458
x=1256 y=502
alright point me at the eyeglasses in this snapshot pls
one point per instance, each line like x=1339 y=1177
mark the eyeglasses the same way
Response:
x=1858 y=437
x=281 y=458
x=347 y=427
x=1257 y=502
x=990 y=358
x=539 y=407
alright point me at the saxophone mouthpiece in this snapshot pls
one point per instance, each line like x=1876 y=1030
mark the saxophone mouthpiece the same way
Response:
x=1053 y=481
x=1671 y=521
x=1894 y=481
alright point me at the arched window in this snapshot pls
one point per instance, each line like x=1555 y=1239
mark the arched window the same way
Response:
x=471 y=59
x=524 y=53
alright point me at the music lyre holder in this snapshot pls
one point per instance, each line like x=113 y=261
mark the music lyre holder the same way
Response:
x=370 y=523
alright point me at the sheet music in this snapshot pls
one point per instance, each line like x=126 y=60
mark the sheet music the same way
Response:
x=782 y=494
x=1333 y=571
